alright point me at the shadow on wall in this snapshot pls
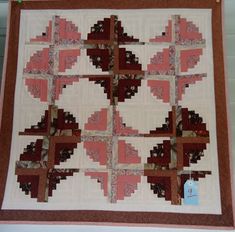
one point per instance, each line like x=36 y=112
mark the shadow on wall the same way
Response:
x=3 y=23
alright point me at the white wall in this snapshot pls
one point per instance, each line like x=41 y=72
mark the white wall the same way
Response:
x=3 y=19
x=230 y=55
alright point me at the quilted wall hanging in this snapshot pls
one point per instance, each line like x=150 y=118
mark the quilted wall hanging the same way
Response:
x=115 y=112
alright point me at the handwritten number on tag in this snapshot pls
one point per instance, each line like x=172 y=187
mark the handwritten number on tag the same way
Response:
x=191 y=193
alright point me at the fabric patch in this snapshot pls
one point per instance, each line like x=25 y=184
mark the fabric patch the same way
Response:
x=160 y=89
x=38 y=88
x=97 y=151
x=67 y=58
x=97 y=121
x=127 y=153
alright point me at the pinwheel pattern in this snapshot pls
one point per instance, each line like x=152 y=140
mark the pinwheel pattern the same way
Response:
x=110 y=135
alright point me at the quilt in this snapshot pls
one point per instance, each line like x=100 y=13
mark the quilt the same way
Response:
x=115 y=112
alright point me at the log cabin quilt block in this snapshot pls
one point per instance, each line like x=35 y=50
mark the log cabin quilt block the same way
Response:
x=114 y=110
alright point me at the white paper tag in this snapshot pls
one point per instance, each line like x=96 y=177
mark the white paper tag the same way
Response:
x=191 y=193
